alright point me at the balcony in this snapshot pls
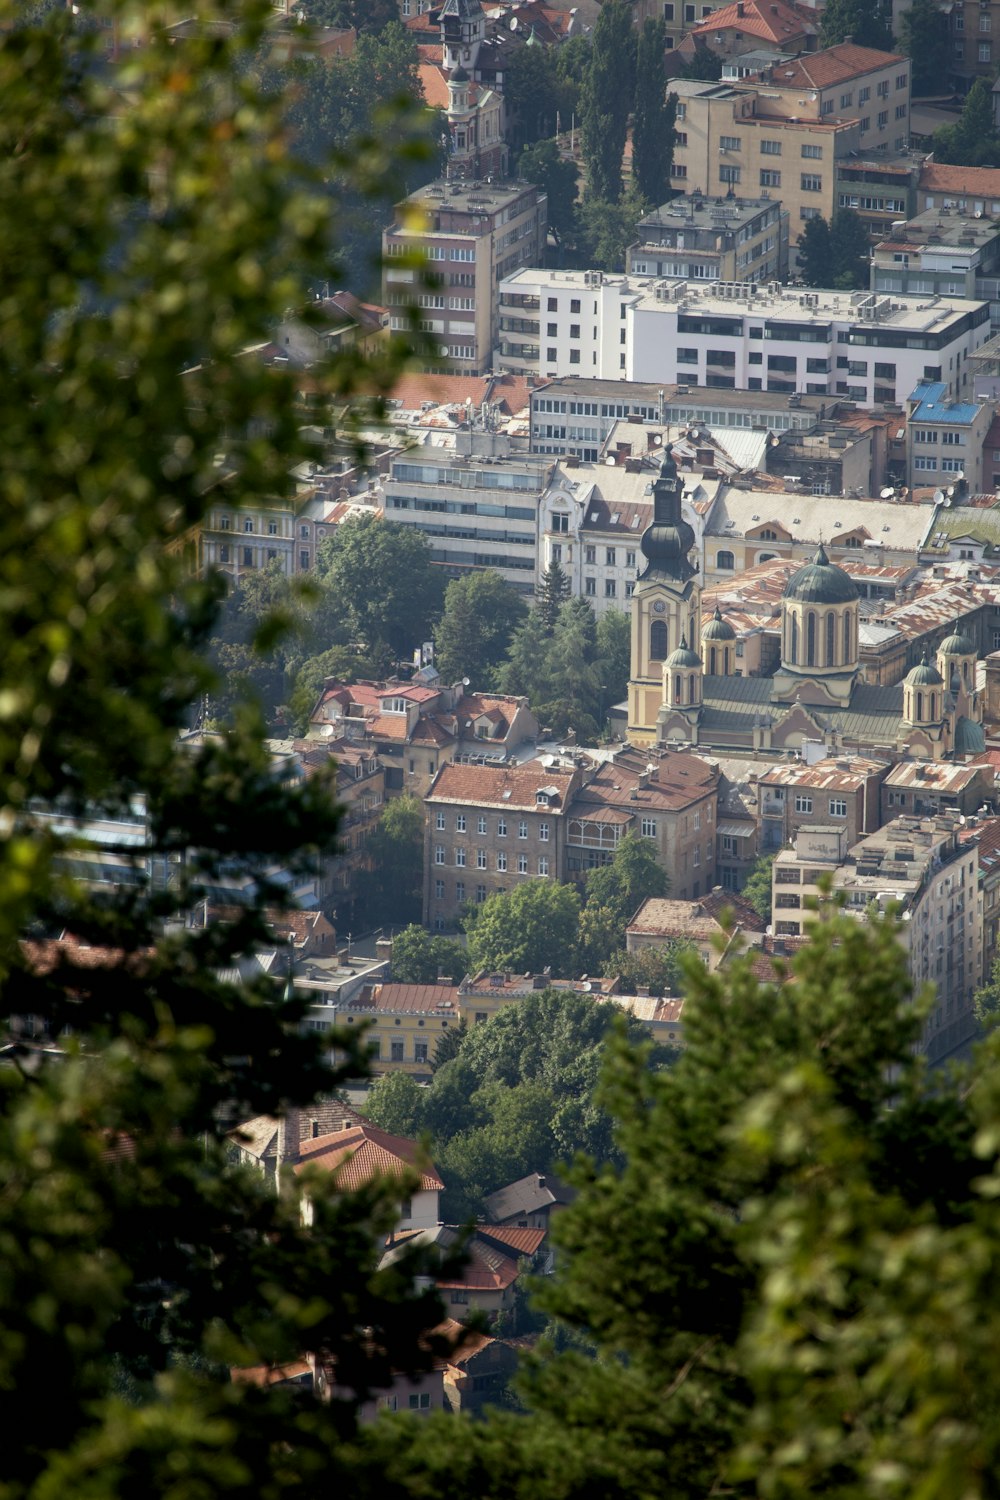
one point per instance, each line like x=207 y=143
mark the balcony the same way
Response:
x=519 y=300
x=519 y=325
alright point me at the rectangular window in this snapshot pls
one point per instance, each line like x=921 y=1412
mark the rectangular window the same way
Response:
x=459 y=890
x=248 y=557
x=440 y=821
x=501 y=828
x=522 y=829
x=811 y=182
x=630 y=559
x=522 y=864
x=574 y=305
x=590 y=555
x=303 y=559
x=543 y=864
x=543 y=832
x=501 y=862
x=648 y=828
x=480 y=894
x=838 y=807
x=729 y=143
x=846 y=100
x=439 y=854
x=420 y=1052
x=590 y=586
x=686 y=356
x=460 y=858
x=552 y=330
x=770 y=148
x=814 y=153
x=480 y=823
x=984 y=52
x=770 y=179
x=864 y=95
x=460 y=822
x=883 y=119
x=803 y=804
x=729 y=174
x=480 y=859
x=396 y=1052
x=609 y=588
x=439 y=890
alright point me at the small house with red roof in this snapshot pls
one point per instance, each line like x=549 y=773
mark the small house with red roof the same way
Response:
x=363 y=1154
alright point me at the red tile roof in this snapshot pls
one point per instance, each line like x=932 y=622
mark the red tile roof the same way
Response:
x=502 y=786
x=523 y=1241
x=973 y=182
x=363 y=1153
x=820 y=70
x=422 y=999
x=486 y=1270
x=774 y=21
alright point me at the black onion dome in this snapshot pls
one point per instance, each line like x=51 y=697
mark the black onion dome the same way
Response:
x=666 y=543
x=821 y=582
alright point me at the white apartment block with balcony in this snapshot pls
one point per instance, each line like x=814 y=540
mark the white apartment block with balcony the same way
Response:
x=870 y=349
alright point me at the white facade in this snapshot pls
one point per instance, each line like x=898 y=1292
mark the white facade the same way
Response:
x=866 y=348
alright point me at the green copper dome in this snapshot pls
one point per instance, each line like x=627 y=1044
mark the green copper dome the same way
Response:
x=821 y=582
x=924 y=675
x=969 y=737
x=957 y=644
x=683 y=658
x=718 y=629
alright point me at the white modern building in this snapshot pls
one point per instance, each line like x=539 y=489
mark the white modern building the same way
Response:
x=868 y=348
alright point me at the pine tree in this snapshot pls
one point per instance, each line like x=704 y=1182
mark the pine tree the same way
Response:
x=607 y=97
x=923 y=37
x=850 y=250
x=867 y=25
x=653 y=121
x=973 y=141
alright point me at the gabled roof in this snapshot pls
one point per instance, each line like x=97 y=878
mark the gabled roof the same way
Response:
x=973 y=182
x=363 y=1153
x=515 y=787
x=527 y=1195
x=774 y=21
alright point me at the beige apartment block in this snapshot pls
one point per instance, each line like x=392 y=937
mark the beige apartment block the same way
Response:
x=845 y=82
x=729 y=142
x=740 y=239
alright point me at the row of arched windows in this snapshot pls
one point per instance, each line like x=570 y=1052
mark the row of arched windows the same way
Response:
x=828 y=642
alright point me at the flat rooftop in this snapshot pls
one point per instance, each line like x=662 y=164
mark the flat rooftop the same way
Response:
x=465 y=197
x=633 y=393
x=943 y=228
x=774 y=303
x=695 y=210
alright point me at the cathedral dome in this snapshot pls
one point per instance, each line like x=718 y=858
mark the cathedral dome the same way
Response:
x=821 y=582
x=957 y=644
x=969 y=737
x=683 y=659
x=924 y=675
x=718 y=629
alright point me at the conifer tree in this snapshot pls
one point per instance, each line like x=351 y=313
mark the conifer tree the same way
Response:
x=553 y=592
x=606 y=100
x=653 y=121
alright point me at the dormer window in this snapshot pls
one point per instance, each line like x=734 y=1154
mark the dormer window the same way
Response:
x=394 y=705
x=542 y=799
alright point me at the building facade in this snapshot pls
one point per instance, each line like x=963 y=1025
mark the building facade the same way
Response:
x=735 y=239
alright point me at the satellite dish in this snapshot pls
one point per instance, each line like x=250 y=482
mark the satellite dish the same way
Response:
x=887 y=493
x=609 y=462
x=657 y=440
x=513 y=23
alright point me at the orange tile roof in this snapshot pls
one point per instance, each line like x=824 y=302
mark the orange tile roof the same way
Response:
x=774 y=21
x=504 y=786
x=433 y=84
x=820 y=70
x=264 y=1375
x=975 y=182
x=678 y=779
x=486 y=1270
x=524 y=1241
x=363 y=1153
x=422 y=999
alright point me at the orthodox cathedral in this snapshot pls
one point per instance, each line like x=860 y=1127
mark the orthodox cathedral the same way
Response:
x=684 y=689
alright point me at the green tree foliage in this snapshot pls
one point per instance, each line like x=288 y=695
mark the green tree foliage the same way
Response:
x=449 y=1044
x=850 y=249
x=758 y=887
x=481 y=612
x=923 y=36
x=528 y=929
x=420 y=958
x=703 y=65
x=562 y=672
x=363 y=15
x=607 y=97
x=867 y=25
x=341 y=662
x=553 y=591
x=396 y=1103
x=382 y=572
x=608 y=228
x=154 y=226
x=392 y=890
x=544 y=164
x=660 y=970
x=530 y=91
x=619 y=888
x=815 y=253
x=973 y=140
x=987 y=999
x=653 y=123
x=614 y=656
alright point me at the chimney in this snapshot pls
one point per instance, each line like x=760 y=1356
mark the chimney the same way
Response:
x=289 y=1137
x=739 y=8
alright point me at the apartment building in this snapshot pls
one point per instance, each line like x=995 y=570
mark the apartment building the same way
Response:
x=944 y=252
x=845 y=82
x=728 y=141
x=922 y=867
x=469 y=236
x=477 y=504
x=749 y=25
x=945 y=439
x=924 y=789
x=728 y=239
x=842 y=791
x=799 y=872
x=881 y=189
x=238 y=541
x=490 y=827
x=854 y=344
x=550 y=322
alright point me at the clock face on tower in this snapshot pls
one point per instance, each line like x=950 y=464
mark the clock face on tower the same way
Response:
x=659 y=607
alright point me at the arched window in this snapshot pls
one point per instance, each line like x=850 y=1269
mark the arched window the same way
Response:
x=658 y=641
x=691 y=688
x=768 y=534
x=793 y=652
x=711 y=661
x=920 y=706
x=725 y=560
x=767 y=557
x=965 y=673
x=678 y=691
x=847 y=637
x=810 y=639
x=831 y=639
